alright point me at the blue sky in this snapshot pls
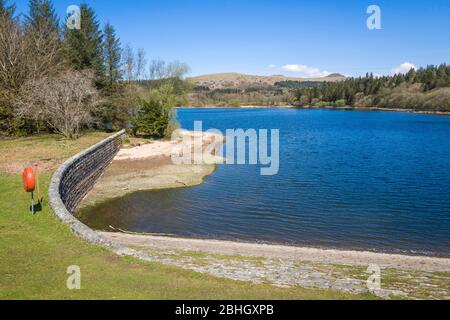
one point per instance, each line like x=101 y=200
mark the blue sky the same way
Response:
x=273 y=37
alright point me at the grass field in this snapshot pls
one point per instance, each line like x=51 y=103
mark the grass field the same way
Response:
x=35 y=251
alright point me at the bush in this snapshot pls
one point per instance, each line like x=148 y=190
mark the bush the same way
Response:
x=340 y=103
x=235 y=103
x=155 y=116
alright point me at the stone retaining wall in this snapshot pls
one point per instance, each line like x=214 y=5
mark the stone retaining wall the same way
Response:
x=81 y=172
x=73 y=181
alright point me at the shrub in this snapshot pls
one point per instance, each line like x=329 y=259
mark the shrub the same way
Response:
x=340 y=103
x=235 y=103
x=155 y=116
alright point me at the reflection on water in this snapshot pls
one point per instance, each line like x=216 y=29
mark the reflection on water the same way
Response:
x=359 y=180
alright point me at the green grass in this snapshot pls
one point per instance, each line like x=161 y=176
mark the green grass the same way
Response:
x=35 y=252
x=46 y=146
x=49 y=150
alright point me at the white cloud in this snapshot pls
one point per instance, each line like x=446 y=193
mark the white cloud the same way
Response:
x=272 y=66
x=403 y=68
x=305 y=71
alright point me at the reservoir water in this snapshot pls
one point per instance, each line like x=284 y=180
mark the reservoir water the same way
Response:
x=348 y=179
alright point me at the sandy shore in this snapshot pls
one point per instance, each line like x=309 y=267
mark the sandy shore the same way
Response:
x=150 y=167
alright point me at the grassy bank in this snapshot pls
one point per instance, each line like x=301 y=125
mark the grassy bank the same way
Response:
x=35 y=251
x=49 y=150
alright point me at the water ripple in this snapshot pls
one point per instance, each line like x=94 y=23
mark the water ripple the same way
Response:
x=354 y=180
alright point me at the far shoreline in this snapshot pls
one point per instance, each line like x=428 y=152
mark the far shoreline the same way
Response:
x=345 y=108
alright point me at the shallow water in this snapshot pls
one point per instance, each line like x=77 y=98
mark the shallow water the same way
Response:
x=348 y=179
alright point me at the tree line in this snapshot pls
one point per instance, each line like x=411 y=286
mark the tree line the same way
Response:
x=424 y=89
x=66 y=80
x=235 y=97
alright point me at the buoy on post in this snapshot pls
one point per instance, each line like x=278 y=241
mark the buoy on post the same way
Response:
x=31 y=184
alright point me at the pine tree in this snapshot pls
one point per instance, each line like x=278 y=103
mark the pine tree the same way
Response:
x=7 y=10
x=84 y=46
x=43 y=39
x=111 y=55
x=42 y=15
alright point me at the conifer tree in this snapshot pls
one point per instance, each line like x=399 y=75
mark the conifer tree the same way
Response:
x=7 y=10
x=42 y=36
x=42 y=15
x=111 y=55
x=84 y=46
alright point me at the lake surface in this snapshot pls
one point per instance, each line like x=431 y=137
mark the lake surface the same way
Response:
x=351 y=180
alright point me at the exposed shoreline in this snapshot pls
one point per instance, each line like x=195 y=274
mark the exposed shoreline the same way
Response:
x=273 y=251
x=348 y=108
x=240 y=107
x=149 y=167
x=402 y=276
x=345 y=108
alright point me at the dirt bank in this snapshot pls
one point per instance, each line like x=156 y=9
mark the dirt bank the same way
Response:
x=149 y=167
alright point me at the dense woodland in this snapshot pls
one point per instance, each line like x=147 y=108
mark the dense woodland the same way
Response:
x=66 y=80
x=425 y=89
x=234 y=97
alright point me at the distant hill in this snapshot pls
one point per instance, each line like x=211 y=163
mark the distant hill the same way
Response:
x=335 y=75
x=239 y=80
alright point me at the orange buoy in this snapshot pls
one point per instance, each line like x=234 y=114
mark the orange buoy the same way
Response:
x=29 y=181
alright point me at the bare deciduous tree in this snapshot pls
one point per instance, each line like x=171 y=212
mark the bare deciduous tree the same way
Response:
x=13 y=70
x=134 y=63
x=64 y=102
x=26 y=54
x=13 y=56
x=129 y=63
x=141 y=62
x=177 y=70
x=159 y=70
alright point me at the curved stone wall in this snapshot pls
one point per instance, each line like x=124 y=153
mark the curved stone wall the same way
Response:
x=81 y=172
x=73 y=181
